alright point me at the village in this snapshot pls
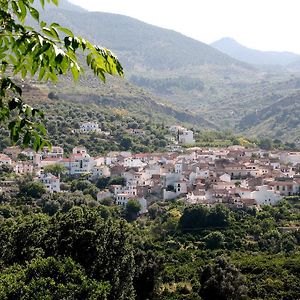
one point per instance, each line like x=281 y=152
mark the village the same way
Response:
x=235 y=176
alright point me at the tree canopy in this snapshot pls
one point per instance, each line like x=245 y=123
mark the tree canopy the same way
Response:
x=45 y=53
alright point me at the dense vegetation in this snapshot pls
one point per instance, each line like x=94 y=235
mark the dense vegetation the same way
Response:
x=85 y=250
x=63 y=120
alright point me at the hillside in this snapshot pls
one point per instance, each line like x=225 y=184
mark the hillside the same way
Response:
x=278 y=120
x=234 y=49
x=139 y=45
x=203 y=86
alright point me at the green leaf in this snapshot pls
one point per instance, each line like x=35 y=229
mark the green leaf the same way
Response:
x=15 y=8
x=66 y=31
x=89 y=59
x=41 y=74
x=23 y=10
x=24 y=72
x=75 y=72
x=26 y=138
x=50 y=32
x=34 y=13
x=42 y=129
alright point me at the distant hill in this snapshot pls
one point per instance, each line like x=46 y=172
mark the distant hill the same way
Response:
x=169 y=75
x=139 y=45
x=279 y=120
x=232 y=48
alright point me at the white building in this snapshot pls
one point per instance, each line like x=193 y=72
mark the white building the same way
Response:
x=186 y=137
x=100 y=171
x=131 y=162
x=264 y=196
x=196 y=197
x=55 y=151
x=81 y=164
x=290 y=157
x=51 y=182
x=24 y=167
x=89 y=127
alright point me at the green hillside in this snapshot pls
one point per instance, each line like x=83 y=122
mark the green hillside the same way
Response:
x=279 y=120
x=204 y=87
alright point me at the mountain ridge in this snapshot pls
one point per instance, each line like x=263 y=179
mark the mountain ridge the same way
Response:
x=238 y=51
x=185 y=74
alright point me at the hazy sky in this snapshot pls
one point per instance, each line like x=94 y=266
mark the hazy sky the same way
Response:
x=260 y=24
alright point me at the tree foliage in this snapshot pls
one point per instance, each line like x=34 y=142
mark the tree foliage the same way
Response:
x=45 y=53
x=222 y=281
x=55 y=169
x=50 y=278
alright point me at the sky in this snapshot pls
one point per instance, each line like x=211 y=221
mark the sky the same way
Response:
x=260 y=24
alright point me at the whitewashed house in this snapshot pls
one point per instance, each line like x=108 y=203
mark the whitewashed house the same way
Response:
x=81 y=164
x=54 y=151
x=186 y=137
x=89 y=127
x=23 y=167
x=100 y=171
x=290 y=157
x=197 y=196
x=263 y=196
x=225 y=177
x=51 y=182
x=131 y=162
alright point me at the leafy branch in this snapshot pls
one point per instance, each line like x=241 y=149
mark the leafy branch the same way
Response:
x=46 y=54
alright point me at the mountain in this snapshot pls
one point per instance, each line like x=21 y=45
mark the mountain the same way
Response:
x=232 y=48
x=203 y=86
x=138 y=44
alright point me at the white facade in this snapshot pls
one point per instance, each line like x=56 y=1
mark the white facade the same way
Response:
x=81 y=164
x=265 y=196
x=51 y=182
x=225 y=177
x=131 y=162
x=23 y=167
x=89 y=127
x=55 y=151
x=186 y=137
x=196 y=197
x=100 y=171
x=290 y=157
